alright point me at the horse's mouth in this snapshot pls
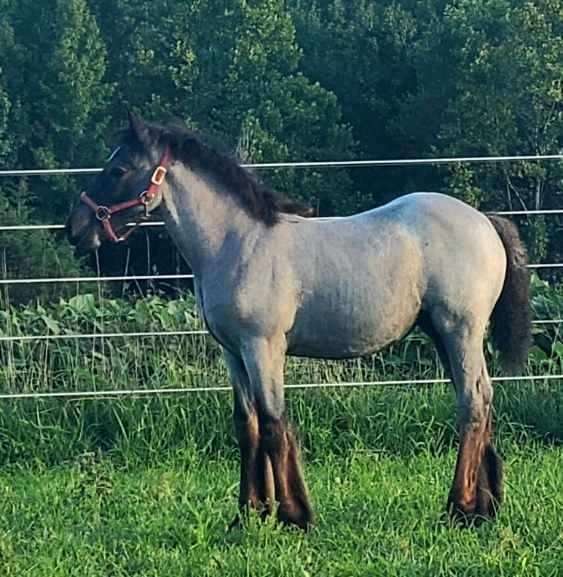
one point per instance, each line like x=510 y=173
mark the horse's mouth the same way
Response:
x=85 y=243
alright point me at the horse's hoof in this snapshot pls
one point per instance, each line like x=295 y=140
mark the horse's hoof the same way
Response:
x=235 y=524
x=488 y=494
x=484 y=509
x=297 y=517
x=460 y=516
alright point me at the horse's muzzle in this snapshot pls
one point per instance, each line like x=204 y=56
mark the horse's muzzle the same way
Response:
x=82 y=231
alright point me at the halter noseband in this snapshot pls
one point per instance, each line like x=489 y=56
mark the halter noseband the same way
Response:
x=104 y=213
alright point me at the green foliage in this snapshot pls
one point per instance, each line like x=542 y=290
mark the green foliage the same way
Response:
x=277 y=81
x=54 y=65
x=230 y=69
x=31 y=254
x=510 y=109
x=438 y=78
x=4 y=112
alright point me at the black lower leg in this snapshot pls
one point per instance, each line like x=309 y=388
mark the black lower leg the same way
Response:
x=490 y=483
x=293 y=505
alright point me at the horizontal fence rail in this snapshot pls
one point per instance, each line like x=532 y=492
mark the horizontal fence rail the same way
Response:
x=541 y=212
x=149 y=334
x=160 y=277
x=158 y=223
x=23 y=227
x=224 y=388
x=317 y=164
x=93 y=336
x=77 y=279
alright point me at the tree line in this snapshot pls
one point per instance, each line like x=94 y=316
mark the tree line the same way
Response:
x=279 y=80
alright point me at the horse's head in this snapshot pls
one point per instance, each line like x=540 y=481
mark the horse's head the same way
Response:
x=126 y=191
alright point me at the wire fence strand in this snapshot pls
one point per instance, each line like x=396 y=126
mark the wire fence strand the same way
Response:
x=96 y=279
x=159 y=223
x=150 y=334
x=160 y=277
x=93 y=336
x=315 y=164
x=108 y=393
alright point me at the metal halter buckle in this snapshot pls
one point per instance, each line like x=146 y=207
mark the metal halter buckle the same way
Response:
x=158 y=175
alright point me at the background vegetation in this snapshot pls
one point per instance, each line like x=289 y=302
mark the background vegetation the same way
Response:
x=279 y=80
x=145 y=486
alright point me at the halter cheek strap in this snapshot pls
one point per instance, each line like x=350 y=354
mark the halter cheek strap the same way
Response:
x=104 y=213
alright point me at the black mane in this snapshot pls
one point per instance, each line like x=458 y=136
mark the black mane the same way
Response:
x=255 y=198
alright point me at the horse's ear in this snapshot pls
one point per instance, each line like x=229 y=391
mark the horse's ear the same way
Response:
x=138 y=129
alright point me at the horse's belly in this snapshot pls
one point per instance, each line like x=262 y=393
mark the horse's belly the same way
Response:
x=336 y=348
x=340 y=335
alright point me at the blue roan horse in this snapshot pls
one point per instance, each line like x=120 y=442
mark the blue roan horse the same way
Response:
x=270 y=283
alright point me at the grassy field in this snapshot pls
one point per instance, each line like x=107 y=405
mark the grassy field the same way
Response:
x=379 y=464
x=147 y=486
x=376 y=516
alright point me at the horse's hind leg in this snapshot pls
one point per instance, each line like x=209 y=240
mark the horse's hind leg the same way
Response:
x=256 y=479
x=264 y=360
x=476 y=492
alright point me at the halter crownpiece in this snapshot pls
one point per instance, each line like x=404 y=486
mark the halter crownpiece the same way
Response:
x=104 y=213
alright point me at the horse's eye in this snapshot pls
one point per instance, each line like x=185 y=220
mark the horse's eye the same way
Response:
x=117 y=171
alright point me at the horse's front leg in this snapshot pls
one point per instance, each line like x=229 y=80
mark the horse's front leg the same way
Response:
x=256 y=478
x=264 y=360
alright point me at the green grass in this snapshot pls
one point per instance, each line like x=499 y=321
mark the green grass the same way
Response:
x=377 y=515
x=147 y=487
x=123 y=487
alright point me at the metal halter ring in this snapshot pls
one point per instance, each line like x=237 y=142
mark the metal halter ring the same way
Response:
x=145 y=200
x=103 y=213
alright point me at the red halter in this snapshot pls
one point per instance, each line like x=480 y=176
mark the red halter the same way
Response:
x=104 y=213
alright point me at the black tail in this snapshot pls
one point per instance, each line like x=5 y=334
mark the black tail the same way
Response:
x=512 y=319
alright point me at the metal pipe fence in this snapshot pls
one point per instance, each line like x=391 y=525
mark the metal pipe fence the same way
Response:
x=149 y=334
x=317 y=164
x=108 y=393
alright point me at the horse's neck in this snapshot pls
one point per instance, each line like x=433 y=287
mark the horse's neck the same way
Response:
x=201 y=218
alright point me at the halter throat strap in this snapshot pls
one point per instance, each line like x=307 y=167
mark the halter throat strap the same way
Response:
x=104 y=213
